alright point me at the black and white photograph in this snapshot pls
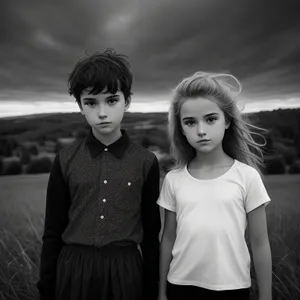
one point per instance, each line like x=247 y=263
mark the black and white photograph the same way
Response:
x=149 y=150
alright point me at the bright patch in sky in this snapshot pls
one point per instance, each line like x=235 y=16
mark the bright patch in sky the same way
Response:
x=19 y=108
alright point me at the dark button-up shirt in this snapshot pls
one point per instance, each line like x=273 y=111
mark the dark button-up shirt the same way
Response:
x=100 y=194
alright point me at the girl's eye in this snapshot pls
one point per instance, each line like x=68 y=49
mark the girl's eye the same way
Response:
x=189 y=123
x=211 y=119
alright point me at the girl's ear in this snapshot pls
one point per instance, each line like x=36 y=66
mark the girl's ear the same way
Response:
x=227 y=124
x=182 y=131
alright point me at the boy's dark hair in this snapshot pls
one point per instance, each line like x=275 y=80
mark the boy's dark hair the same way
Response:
x=106 y=72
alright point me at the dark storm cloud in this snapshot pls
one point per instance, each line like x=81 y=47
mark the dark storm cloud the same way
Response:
x=247 y=38
x=258 y=41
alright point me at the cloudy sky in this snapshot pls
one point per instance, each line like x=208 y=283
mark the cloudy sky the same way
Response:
x=258 y=41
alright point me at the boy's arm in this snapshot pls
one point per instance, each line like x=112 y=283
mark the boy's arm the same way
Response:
x=151 y=228
x=56 y=220
x=261 y=251
x=166 y=247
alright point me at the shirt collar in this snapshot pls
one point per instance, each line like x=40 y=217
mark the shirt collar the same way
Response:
x=117 y=148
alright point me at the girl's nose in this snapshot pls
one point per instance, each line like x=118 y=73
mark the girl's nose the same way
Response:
x=201 y=130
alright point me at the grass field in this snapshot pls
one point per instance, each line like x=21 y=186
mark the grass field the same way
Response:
x=22 y=203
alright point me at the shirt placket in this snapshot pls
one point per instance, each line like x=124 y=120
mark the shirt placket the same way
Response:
x=103 y=196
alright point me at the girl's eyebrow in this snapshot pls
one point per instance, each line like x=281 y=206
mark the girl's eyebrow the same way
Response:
x=211 y=114
x=188 y=118
x=205 y=116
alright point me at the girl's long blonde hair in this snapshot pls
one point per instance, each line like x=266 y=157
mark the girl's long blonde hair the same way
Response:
x=238 y=140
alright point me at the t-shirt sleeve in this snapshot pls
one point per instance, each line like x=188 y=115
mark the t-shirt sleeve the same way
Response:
x=256 y=193
x=166 y=198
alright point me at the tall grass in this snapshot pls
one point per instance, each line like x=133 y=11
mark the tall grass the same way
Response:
x=19 y=264
x=20 y=246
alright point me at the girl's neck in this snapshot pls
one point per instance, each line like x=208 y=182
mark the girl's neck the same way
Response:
x=215 y=158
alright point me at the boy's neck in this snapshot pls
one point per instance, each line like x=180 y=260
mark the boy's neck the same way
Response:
x=108 y=139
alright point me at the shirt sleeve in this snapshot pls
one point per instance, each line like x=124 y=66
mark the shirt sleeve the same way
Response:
x=151 y=228
x=166 y=198
x=256 y=193
x=56 y=220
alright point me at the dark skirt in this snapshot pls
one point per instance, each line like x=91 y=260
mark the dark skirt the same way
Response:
x=112 y=272
x=178 y=292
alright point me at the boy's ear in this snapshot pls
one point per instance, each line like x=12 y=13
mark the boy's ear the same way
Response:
x=127 y=104
x=81 y=110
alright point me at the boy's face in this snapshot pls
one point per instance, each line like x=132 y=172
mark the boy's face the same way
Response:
x=103 y=112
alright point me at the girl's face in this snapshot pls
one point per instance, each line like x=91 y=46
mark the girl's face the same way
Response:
x=203 y=123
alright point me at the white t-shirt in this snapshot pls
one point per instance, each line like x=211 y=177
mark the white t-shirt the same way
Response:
x=210 y=249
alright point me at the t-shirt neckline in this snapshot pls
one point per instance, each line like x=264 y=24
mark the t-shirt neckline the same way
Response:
x=211 y=179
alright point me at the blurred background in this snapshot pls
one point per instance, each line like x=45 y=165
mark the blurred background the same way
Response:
x=257 y=41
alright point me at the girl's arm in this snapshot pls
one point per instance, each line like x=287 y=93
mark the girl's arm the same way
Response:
x=166 y=246
x=261 y=251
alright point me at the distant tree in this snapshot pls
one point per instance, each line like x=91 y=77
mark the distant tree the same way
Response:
x=166 y=163
x=297 y=140
x=289 y=153
x=33 y=149
x=295 y=167
x=40 y=165
x=145 y=142
x=274 y=164
x=41 y=139
x=81 y=133
x=13 y=168
x=8 y=146
x=1 y=166
x=25 y=156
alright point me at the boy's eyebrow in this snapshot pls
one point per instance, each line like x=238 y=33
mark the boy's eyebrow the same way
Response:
x=89 y=98
x=108 y=97
x=112 y=96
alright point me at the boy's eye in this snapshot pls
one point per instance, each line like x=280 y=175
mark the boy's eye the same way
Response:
x=90 y=103
x=112 y=100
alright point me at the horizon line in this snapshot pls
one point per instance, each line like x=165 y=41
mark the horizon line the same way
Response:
x=11 y=109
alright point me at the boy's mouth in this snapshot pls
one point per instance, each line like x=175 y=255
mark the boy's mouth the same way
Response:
x=103 y=123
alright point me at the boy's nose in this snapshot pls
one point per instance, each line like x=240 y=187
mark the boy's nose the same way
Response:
x=101 y=112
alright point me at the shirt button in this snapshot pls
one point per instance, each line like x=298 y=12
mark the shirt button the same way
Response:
x=105 y=181
x=102 y=217
x=129 y=183
x=105 y=149
x=104 y=200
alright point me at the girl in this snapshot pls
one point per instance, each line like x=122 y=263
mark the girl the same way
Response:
x=211 y=194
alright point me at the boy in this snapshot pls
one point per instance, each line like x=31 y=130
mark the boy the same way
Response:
x=101 y=198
